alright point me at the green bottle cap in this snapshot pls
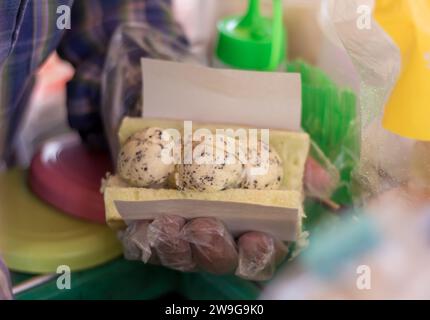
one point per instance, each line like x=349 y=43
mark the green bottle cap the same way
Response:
x=253 y=42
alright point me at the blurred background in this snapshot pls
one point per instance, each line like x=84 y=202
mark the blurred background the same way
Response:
x=370 y=234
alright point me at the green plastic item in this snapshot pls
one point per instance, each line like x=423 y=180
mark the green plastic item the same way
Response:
x=133 y=280
x=116 y=280
x=330 y=116
x=253 y=42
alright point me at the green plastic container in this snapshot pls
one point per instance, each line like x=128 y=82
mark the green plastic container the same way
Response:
x=252 y=42
x=132 y=280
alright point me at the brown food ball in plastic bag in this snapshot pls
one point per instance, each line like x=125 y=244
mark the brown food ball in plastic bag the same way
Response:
x=212 y=246
x=136 y=244
x=259 y=254
x=166 y=239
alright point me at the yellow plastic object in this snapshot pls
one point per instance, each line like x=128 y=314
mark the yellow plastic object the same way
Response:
x=408 y=23
x=36 y=238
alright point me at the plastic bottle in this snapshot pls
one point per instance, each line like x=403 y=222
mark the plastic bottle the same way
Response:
x=252 y=42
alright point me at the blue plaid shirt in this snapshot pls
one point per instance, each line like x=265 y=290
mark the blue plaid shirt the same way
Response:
x=29 y=33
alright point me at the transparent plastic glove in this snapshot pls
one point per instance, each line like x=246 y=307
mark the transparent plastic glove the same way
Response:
x=135 y=243
x=202 y=244
x=166 y=238
x=213 y=247
x=259 y=255
x=5 y=286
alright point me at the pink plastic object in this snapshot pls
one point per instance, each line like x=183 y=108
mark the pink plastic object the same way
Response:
x=67 y=175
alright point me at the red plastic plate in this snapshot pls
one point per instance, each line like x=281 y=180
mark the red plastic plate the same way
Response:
x=67 y=175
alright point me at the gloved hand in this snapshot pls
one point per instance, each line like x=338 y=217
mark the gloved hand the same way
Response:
x=202 y=244
x=5 y=287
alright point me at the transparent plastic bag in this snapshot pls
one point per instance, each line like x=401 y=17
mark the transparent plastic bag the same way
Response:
x=122 y=77
x=385 y=158
x=321 y=177
x=5 y=285
x=259 y=255
x=330 y=116
x=202 y=244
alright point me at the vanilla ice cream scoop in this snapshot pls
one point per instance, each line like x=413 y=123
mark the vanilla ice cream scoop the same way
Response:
x=153 y=134
x=140 y=162
x=213 y=169
x=262 y=172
